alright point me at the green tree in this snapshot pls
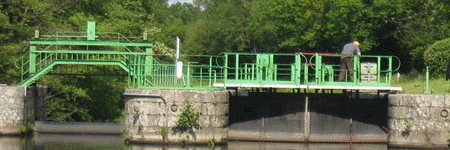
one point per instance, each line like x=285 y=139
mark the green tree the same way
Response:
x=66 y=102
x=437 y=56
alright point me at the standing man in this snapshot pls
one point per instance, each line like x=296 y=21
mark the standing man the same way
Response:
x=347 y=62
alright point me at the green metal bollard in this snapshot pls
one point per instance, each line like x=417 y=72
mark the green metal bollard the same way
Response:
x=427 y=82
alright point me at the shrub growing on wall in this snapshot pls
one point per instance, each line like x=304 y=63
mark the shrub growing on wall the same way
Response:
x=436 y=57
x=188 y=118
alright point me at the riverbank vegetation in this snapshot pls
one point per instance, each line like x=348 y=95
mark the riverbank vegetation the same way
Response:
x=415 y=31
x=415 y=83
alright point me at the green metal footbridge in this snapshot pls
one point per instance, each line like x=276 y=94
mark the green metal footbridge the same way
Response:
x=146 y=69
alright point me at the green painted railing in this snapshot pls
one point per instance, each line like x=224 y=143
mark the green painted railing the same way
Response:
x=202 y=72
x=199 y=72
x=306 y=69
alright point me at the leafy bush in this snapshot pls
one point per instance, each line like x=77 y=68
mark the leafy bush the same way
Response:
x=436 y=57
x=189 y=117
x=28 y=130
x=126 y=137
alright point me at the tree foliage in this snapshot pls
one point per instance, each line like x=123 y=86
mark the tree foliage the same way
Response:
x=437 y=56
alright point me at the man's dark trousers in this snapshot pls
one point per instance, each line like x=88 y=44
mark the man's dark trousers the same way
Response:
x=346 y=64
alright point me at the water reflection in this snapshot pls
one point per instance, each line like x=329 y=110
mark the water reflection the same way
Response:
x=114 y=142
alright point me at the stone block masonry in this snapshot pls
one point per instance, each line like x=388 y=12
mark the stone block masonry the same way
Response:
x=18 y=107
x=149 y=110
x=418 y=120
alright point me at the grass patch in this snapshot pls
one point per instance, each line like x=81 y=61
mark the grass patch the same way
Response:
x=414 y=82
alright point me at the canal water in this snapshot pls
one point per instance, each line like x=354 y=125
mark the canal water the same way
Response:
x=48 y=141
x=100 y=136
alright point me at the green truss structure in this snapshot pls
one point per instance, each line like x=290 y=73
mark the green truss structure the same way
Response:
x=228 y=70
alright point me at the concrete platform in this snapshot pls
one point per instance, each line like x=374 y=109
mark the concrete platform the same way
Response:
x=303 y=86
x=248 y=145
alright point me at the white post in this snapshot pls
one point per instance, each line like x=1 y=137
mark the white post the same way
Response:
x=179 y=64
x=178 y=49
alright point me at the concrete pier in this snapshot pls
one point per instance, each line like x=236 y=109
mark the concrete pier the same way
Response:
x=19 y=105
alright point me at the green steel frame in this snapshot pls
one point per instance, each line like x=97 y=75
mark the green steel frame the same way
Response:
x=47 y=51
x=148 y=70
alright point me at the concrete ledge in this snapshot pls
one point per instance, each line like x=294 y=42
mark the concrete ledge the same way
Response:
x=268 y=136
x=417 y=145
x=46 y=139
x=79 y=127
x=370 y=138
x=328 y=138
x=301 y=146
x=200 y=136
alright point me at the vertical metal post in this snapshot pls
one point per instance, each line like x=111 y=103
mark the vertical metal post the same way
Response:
x=275 y=74
x=201 y=76
x=427 y=86
x=33 y=57
x=378 y=69
x=237 y=67
x=210 y=71
x=129 y=76
x=318 y=67
x=258 y=68
x=390 y=71
x=188 y=78
x=297 y=66
x=293 y=73
x=270 y=69
x=307 y=119
x=245 y=72
x=306 y=77
x=225 y=72
x=356 y=69
x=139 y=70
x=149 y=61
x=253 y=72
x=215 y=76
x=134 y=71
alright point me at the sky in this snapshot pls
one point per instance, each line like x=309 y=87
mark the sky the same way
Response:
x=181 y=1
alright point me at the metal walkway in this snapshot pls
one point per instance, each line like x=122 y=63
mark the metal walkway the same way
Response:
x=146 y=69
x=48 y=51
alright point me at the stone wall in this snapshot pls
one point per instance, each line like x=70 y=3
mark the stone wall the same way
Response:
x=148 y=111
x=11 y=142
x=18 y=107
x=418 y=120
